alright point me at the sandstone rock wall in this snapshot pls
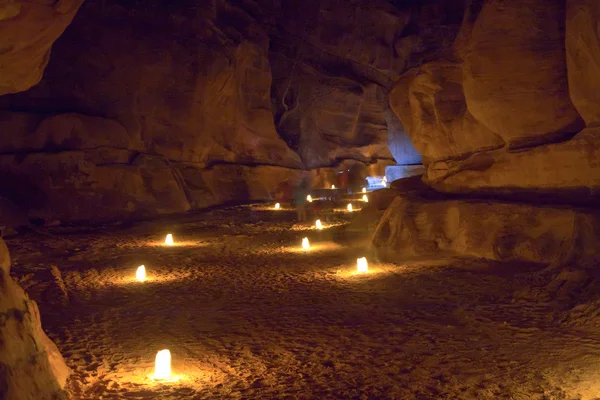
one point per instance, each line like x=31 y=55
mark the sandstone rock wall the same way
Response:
x=160 y=107
x=505 y=112
x=27 y=31
x=31 y=368
x=583 y=57
x=508 y=128
x=414 y=226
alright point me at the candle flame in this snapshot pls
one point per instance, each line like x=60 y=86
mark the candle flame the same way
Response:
x=305 y=244
x=140 y=273
x=318 y=224
x=349 y=207
x=364 y=190
x=277 y=206
x=362 y=265
x=333 y=186
x=365 y=198
x=162 y=365
x=169 y=240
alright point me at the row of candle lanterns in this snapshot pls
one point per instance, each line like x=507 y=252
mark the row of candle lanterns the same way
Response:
x=309 y=198
x=162 y=362
x=140 y=273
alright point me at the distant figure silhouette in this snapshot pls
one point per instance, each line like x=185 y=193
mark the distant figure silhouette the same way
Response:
x=343 y=179
x=301 y=191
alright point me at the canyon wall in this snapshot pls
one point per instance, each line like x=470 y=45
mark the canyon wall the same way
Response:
x=31 y=367
x=508 y=117
x=150 y=108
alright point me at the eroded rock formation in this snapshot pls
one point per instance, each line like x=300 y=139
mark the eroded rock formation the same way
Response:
x=31 y=368
x=165 y=107
x=510 y=113
x=27 y=31
x=478 y=116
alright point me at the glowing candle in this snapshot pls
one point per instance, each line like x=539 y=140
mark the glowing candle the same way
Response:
x=362 y=265
x=365 y=198
x=277 y=206
x=305 y=244
x=364 y=190
x=309 y=198
x=140 y=273
x=333 y=186
x=162 y=365
x=169 y=240
x=318 y=224
x=349 y=207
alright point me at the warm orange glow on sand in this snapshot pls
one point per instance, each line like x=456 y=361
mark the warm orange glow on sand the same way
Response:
x=365 y=198
x=162 y=365
x=361 y=265
x=169 y=240
x=140 y=273
x=318 y=224
x=329 y=225
x=185 y=243
x=309 y=198
x=349 y=208
x=277 y=206
x=314 y=248
x=305 y=244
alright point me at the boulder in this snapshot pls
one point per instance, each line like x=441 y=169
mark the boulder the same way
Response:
x=31 y=368
x=583 y=57
x=514 y=72
x=27 y=31
x=413 y=226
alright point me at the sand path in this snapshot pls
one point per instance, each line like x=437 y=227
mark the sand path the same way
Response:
x=246 y=314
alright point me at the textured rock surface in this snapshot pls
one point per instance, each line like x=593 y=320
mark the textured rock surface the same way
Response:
x=583 y=57
x=431 y=103
x=519 y=89
x=414 y=226
x=31 y=368
x=567 y=171
x=497 y=115
x=27 y=31
x=500 y=119
x=182 y=105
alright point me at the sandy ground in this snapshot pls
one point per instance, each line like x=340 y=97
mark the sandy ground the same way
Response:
x=247 y=314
